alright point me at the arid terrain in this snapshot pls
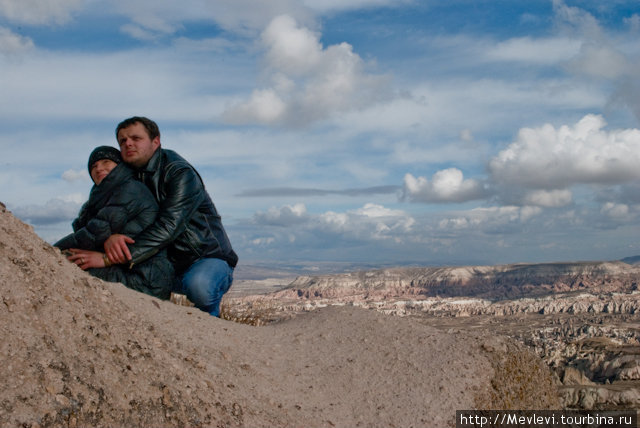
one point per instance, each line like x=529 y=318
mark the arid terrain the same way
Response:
x=77 y=351
x=581 y=319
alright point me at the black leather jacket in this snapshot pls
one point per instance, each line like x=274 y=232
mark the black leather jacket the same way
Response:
x=188 y=224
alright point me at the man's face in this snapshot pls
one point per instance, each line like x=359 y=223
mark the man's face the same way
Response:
x=135 y=145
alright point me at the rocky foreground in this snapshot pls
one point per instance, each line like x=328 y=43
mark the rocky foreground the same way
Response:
x=77 y=351
x=581 y=319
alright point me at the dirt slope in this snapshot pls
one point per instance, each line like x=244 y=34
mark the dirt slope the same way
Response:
x=77 y=351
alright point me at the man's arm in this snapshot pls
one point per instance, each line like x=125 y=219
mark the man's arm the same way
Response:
x=183 y=194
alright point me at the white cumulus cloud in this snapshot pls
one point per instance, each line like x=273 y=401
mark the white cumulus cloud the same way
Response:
x=448 y=185
x=369 y=222
x=11 y=43
x=372 y=221
x=307 y=81
x=264 y=106
x=292 y=49
x=549 y=198
x=556 y=158
x=284 y=216
x=615 y=211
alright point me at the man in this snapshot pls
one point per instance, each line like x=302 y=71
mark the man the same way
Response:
x=188 y=224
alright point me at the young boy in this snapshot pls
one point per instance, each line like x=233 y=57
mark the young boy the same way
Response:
x=118 y=203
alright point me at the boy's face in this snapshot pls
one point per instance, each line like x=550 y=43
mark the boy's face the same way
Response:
x=100 y=169
x=135 y=145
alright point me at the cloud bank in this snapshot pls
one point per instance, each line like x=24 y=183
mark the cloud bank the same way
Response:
x=307 y=81
x=343 y=130
x=556 y=158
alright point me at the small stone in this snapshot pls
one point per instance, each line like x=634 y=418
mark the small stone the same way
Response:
x=62 y=400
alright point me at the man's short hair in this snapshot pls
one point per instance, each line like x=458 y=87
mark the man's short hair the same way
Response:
x=152 y=128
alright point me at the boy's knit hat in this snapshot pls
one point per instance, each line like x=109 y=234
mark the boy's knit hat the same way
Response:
x=104 y=152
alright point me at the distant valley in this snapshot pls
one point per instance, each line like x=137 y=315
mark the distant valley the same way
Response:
x=582 y=318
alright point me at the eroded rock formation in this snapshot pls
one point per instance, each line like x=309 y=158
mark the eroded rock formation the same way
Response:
x=582 y=319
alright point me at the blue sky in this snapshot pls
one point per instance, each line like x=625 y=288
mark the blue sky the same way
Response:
x=365 y=131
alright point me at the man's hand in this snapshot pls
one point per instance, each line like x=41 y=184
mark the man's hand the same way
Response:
x=115 y=247
x=86 y=259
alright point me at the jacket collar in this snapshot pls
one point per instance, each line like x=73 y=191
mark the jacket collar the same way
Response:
x=154 y=162
x=112 y=181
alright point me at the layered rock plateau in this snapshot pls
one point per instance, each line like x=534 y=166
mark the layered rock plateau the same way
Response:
x=582 y=319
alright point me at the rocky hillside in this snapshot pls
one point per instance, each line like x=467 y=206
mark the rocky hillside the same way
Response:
x=77 y=351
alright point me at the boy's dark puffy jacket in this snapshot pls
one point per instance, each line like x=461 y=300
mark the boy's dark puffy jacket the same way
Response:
x=121 y=204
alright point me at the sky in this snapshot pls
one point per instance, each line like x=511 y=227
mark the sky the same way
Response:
x=354 y=131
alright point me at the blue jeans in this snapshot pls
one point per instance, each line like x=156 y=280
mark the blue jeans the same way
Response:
x=205 y=282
